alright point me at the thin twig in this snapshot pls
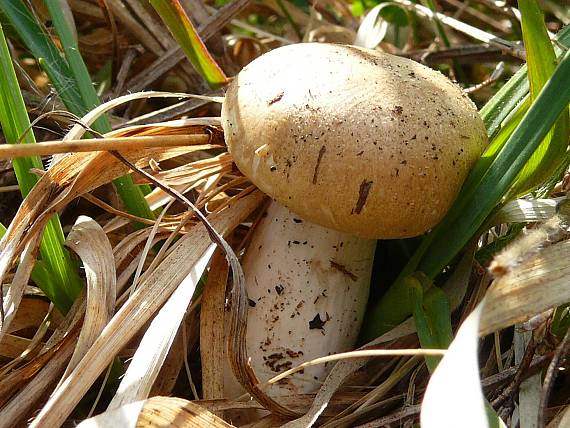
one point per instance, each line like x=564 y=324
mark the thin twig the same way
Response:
x=111 y=210
x=550 y=377
x=125 y=68
x=511 y=389
x=466 y=54
x=496 y=75
x=537 y=364
x=12 y=188
x=8 y=151
x=406 y=412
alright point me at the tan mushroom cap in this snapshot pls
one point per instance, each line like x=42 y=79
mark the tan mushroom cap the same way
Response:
x=353 y=139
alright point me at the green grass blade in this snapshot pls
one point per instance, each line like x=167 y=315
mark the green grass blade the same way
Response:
x=432 y=316
x=496 y=110
x=506 y=100
x=179 y=24
x=541 y=60
x=71 y=81
x=41 y=46
x=495 y=147
x=76 y=64
x=541 y=63
x=466 y=216
x=15 y=123
x=131 y=195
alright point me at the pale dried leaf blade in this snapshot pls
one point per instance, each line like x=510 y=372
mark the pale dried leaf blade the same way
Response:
x=75 y=175
x=212 y=339
x=176 y=412
x=158 y=338
x=530 y=390
x=20 y=348
x=372 y=30
x=527 y=210
x=149 y=297
x=31 y=312
x=157 y=412
x=125 y=416
x=457 y=375
x=80 y=173
x=537 y=284
x=16 y=289
x=18 y=232
x=79 y=130
x=562 y=420
x=88 y=240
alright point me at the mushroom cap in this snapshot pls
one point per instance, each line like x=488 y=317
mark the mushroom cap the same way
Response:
x=352 y=139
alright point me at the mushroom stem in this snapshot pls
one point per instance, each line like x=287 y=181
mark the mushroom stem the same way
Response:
x=308 y=288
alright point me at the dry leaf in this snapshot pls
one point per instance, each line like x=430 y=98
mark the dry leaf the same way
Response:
x=157 y=412
x=151 y=294
x=91 y=244
x=158 y=338
x=212 y=338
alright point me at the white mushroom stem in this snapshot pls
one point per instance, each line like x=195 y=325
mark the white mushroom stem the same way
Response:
x=308 y=288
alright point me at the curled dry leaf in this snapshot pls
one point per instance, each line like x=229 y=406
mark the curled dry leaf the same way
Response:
x=527 y=211
x=373 y=29
x=91 y=244
x=79 y=129
x=562 y=420
x=529 y=288
x=78 y=174
x=69 y=178
x=31 y=313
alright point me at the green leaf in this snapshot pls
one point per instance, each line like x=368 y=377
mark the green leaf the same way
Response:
x=504 y=102
x=508 y=98
x=181 y=27
x=76 y=64
x=432 y=315
x=65 y=284
x=72 y=83
x=357 y=8
x=41 y=46
x=541 y=63
x=131 y=195
x=475 y=204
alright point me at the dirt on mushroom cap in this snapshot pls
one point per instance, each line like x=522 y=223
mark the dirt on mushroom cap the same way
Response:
x=353 y=139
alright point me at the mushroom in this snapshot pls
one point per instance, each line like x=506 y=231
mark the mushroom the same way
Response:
x=353 y=145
